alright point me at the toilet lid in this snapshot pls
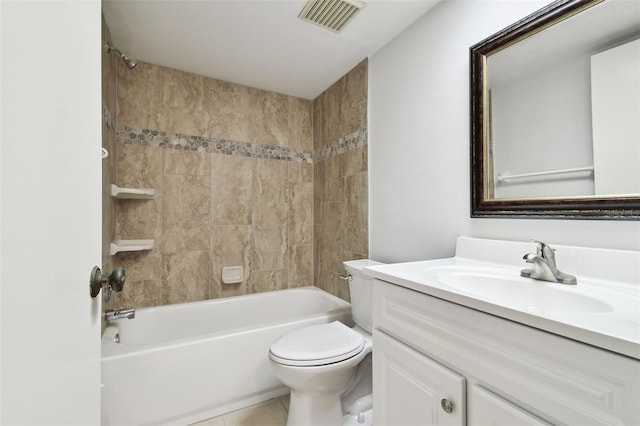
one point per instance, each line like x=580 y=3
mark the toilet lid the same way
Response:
x=320 y=344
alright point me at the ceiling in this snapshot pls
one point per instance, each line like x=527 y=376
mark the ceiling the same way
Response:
x=258 y=43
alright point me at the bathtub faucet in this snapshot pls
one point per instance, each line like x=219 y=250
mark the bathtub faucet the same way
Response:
x=112 y=315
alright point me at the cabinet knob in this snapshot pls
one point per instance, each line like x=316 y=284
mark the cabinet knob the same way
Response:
x=447 y=406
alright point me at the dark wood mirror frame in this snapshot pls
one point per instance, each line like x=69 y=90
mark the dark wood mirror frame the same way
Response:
x=620 y=208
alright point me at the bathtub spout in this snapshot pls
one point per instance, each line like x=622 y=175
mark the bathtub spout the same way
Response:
x=113 y=315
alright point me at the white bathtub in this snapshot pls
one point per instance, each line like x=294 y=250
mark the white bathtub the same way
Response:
x=180 y=364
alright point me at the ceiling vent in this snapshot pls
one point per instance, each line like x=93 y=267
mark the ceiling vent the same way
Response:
x=330 y=14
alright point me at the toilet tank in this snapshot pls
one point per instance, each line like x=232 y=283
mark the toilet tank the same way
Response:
x=360 y=287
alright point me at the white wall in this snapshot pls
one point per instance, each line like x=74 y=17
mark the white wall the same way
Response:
x=419 y=142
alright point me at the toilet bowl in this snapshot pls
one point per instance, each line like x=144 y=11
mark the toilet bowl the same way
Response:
x=323 y=364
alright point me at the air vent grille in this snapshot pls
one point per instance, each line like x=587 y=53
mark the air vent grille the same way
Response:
x=330 y=14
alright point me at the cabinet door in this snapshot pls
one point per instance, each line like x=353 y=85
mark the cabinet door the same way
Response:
x=488 y=409
x=411 y=389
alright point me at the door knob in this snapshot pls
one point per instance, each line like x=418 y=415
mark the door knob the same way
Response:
x=113 y=281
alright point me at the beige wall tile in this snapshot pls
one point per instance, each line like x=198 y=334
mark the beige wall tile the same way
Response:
x=132 y=105
x=232 y=189
x=177 y=162
x=231 y=246
x=270 y=236
x=139 y=219
x=140 y=95
x=331 y=282
x=186 y=204
x=300 y=124
x=177 y=239
x=354 y=161
x=270 y=181
x=355 y=87
x=186 y=201
x=139 y=294
x=332 y=179
x=185 y=121
x=262 y=281
x=330 y=244
x=183 y=90
x=354 y=118
x=186 y=275
x=139 y=166
x=318 y=188
x=108 y=203
x=229 y=115
x=109 y=71
x=109 y=165
x=270 y=118
x=355 y=218
x=348 y=255
x=337 y=112
x=319 y=136
x=141 y=265
x=332 y=112
x=317 y=236
x=300 y=217
x=341 y=288
x=300 y=266
x=300 y=172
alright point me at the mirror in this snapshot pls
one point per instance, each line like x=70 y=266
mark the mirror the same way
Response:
x=555 y=114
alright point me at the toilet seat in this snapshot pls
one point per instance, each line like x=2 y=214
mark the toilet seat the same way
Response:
x=317 y=345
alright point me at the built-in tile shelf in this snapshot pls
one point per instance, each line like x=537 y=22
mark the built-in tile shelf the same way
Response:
x=130 y=245
x=132 y=193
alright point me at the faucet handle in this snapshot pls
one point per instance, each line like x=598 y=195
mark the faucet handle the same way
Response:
x=543 y=249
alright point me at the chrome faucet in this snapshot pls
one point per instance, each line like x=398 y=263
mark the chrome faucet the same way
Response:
x=113 y=315
x=544 y=266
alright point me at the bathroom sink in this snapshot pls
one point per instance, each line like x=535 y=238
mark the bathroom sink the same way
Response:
x=602 y=309
x=497 y=284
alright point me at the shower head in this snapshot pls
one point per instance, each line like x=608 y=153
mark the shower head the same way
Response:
x=130 y=63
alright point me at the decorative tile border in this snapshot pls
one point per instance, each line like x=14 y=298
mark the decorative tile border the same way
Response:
x=347 y=143
x=168 y=140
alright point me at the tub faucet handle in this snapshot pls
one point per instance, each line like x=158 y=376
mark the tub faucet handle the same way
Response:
x=346 y=277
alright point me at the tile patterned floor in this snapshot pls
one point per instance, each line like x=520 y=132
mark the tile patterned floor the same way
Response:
x=270 y=413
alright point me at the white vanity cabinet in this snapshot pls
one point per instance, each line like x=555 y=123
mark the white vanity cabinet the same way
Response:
x=416 y=389
x=432 y=356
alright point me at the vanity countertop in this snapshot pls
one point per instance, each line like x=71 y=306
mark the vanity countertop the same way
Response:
x=601 y=312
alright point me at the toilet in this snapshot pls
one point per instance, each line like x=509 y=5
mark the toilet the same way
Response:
x=328 y=366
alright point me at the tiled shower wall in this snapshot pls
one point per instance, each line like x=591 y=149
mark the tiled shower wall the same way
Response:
x=233 y=171
x=232 y=186
x=340 y=182
x=108 y=143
